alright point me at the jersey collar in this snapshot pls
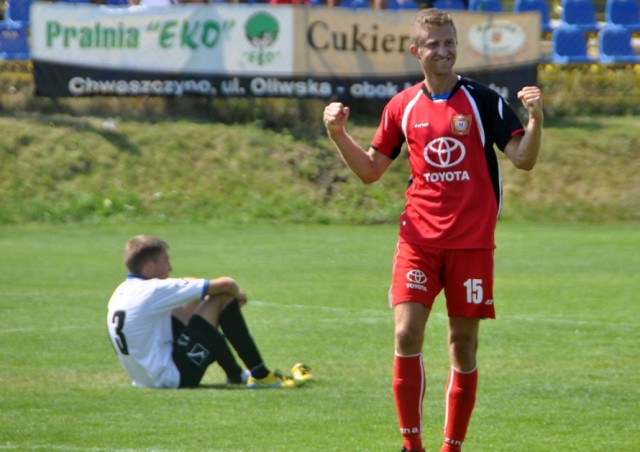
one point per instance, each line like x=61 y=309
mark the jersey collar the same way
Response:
x=442 y=97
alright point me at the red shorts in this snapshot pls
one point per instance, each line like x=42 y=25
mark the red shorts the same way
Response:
x=420 y=273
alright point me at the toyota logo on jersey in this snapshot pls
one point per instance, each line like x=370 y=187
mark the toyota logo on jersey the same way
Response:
x=444 y=152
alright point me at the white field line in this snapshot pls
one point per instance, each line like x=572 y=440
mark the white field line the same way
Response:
x=366 y=316
x=385 y=313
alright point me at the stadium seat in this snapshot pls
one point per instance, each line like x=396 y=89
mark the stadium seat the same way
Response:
x=623 y=12
x=14 y=41
x=18 y=10
x=489 y=6
x=449 y=4
x=118 y=2
x=402 y=4
x=287 y=2
x=569 y=45
x=521 y=6
x=615 y=45
x=355 y=4
x=580 y=13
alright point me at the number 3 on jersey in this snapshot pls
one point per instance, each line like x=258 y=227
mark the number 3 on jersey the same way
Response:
x=474 y=291
x=118 y=323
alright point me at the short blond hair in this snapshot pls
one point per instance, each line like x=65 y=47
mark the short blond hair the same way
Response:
x=427 y=18
x=140 y=249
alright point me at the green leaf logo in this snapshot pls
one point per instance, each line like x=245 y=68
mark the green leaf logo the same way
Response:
x=262 y=30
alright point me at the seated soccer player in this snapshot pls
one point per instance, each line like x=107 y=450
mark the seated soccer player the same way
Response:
x=166 y=331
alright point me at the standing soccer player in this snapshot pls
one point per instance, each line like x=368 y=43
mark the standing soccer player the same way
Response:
x=446 y=240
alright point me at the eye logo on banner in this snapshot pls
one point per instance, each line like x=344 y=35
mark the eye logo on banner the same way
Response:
x=262 y=30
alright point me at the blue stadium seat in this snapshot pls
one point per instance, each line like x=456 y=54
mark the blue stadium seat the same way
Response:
x=580 y=13
x=118 y=2
x=355 y=4
x=615 y=45
x=569 y=45
x=487 y=6
x=623 y=12
x=18 y=10
x=402 y=4
x=14 y=43
x=521 y=6
x=449 y=4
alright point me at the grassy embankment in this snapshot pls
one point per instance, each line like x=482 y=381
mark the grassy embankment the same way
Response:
x=72 y=168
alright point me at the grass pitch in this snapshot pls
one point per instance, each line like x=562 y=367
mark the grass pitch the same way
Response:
x=559 y=368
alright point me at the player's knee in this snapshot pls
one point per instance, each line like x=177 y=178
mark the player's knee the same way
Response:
x=222 y=298
x=219 y=302
x=463 y=347
x=408 y=338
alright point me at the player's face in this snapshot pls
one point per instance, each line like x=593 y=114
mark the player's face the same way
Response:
x=436 y=50
x=160 y=267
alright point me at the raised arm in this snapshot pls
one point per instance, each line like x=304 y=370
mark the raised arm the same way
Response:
x=369 y=165
x=523 y=150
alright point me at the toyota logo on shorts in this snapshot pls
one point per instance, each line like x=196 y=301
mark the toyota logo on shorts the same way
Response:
x=444 y=152
x=416 y=276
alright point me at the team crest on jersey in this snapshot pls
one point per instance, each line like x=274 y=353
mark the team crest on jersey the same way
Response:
x=460 y=124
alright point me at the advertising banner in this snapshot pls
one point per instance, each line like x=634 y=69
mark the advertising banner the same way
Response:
x=243 y=50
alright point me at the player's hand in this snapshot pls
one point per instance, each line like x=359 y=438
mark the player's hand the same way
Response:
x=531 y=98
x=335 y=116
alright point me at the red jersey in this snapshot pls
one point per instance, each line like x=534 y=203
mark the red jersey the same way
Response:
x=455 y=191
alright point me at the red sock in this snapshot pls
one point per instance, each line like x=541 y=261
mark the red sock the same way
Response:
x=460 y=398
x=409 y=386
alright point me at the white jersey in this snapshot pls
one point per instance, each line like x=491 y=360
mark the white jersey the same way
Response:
x=139 y=324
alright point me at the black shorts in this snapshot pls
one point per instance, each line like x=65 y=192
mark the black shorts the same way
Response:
x=192 y=349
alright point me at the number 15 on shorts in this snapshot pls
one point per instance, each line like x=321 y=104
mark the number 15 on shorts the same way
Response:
x=475 y=293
